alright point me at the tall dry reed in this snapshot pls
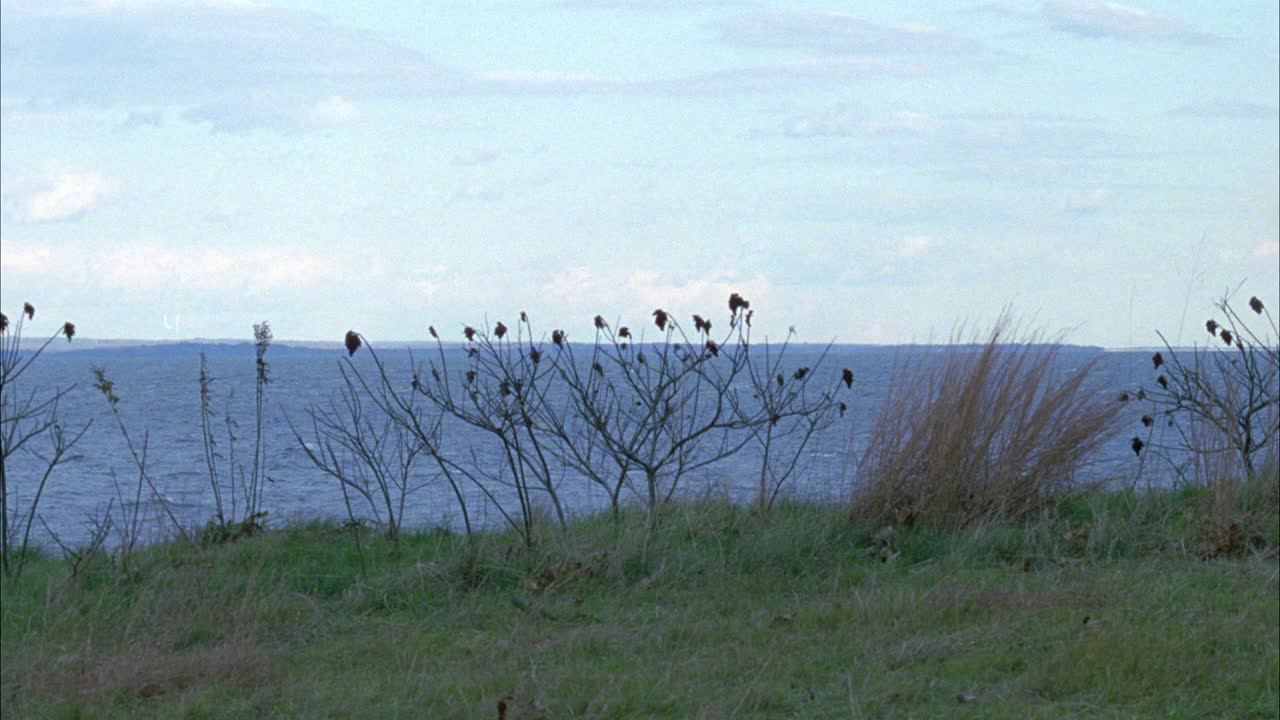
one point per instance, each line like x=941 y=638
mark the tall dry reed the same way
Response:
x=985 y=428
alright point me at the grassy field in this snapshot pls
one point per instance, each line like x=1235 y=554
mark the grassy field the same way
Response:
x=1107 y=607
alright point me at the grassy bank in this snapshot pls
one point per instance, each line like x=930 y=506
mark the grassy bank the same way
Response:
x=1106 y=608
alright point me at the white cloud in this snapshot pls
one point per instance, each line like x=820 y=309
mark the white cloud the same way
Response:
x=905 y=123
x=1226 y=109
x=142 y=119
x=1089 y=200
x=481 y=155
x=914 y=246
x=20 y=257
x=267 y=110
x=148 y=266
x=844 y=121
x=837 y=32
x=1097 y=18
x=476 y=191
x=1266 y=250
x=218 y=60
x=586 y=291
x=67 y=196
x=333 y=112
x=838 y=121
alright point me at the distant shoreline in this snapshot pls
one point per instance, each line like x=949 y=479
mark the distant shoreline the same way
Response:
x=89 y=344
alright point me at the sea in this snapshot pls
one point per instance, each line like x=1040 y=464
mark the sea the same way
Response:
x=159 y=406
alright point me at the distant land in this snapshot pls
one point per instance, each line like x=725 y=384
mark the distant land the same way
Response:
x=279 y=347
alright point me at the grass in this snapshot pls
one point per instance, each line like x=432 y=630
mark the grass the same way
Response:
x=1103 y=606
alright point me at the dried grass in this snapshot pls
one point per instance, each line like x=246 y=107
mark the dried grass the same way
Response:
x=149 y=671
x=986 y=429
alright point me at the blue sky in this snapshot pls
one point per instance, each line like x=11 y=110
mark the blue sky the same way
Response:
x=869 y=175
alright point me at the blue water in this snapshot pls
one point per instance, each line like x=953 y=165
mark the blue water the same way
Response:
x=160 y=401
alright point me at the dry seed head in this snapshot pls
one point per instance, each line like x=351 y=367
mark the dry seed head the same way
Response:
x=1211 y=326
x=557 y=338
x=499 y=330
x=1226 y=336
x=352 y=341
x=713 y=348
x=624 y=331
x=1137 y=444
x=68 y=329
x=1255 y=304
x=1163 y=382
x=847 y=376
x=29 y=309
x=535 y=355
x=4 y=322
x=470 y=332
x=660 y=318
x=432 y=329
x=600 y=323
x=1147 y=420
x=801 y=373
x=1157 y=360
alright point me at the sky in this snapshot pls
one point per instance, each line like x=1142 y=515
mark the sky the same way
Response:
x=871 y=172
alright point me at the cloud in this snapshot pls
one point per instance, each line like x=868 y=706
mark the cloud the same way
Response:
x=905 y=123
x=837 y=32
x=241 y=66
x=846 y=121
x=475 y=191
x=263 y=110
x=1225 y=109
x=149 y=266
x=481 y=155
x=995 y=8
x=1096 y=18
x=332 y=112
x=587 y=290
x=914 y=246
x=233 y=64
x=142 y=119
x=754 y=79
x=834 y=122
x=66 y=196
x=1088 y=201
x=648 y=5
x=20 y=257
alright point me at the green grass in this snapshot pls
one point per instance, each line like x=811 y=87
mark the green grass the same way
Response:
x=1105 y=609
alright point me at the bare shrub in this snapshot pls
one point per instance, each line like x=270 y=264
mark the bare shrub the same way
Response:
x=620 y=412
x=980 y=430
x=29 y=423
x=1222 y=405
x=369 y=454
x=1224 y=397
